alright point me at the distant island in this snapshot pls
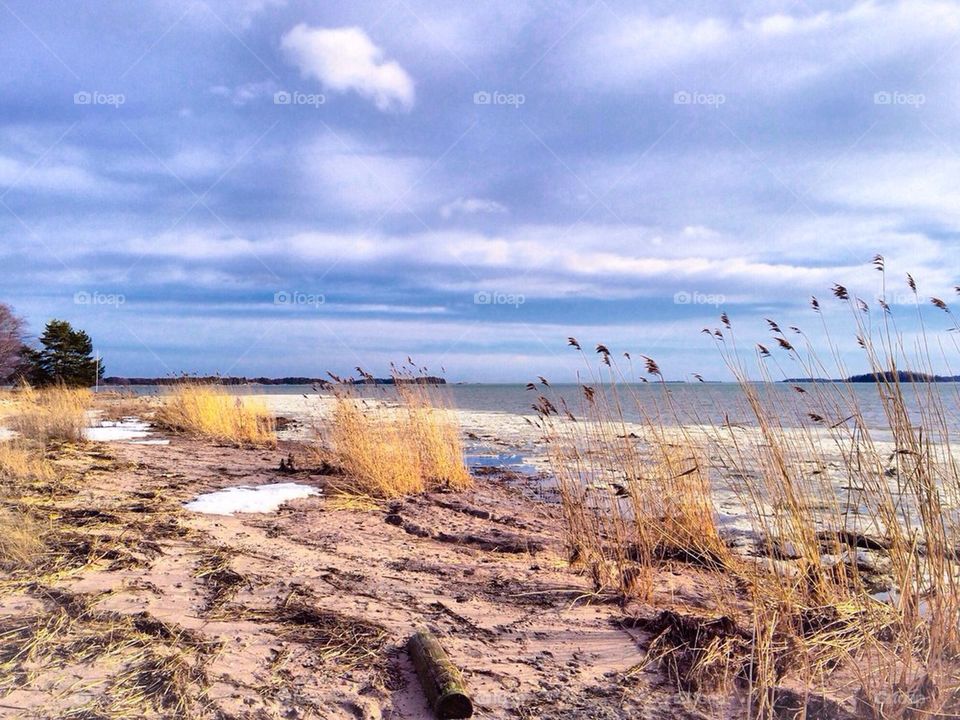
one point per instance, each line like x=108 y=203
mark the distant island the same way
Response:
x=295 y=380
x=887 y=376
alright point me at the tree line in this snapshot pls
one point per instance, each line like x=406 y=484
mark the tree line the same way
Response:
x=63 y=356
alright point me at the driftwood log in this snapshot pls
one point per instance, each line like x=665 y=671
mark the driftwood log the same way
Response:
x=441 y=680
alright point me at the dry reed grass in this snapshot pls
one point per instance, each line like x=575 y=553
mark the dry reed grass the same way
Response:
x=819 y=488
x=56 y=413
x=392 y=449
x=208 y=411
x=23 y=463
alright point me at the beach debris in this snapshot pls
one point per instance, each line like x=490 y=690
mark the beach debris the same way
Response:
x=221 y=580
x=698 y=653
x=440 y=679
x=495 y=541
x=289 y=465
x=789 y=704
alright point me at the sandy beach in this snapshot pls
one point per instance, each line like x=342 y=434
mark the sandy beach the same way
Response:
x=484 y=569
x=191 y=578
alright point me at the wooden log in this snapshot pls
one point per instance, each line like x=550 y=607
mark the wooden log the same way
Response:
x=441 y=680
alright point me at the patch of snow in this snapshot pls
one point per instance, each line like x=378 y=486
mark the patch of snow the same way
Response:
x=250 y=499
x=109 y=431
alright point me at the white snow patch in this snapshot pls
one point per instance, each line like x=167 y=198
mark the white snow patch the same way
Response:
x=109 y=431
x=250 y=499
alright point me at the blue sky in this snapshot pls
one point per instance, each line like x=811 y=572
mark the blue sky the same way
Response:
x=281 y=187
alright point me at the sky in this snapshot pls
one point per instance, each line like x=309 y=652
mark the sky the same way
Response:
x=281 y=187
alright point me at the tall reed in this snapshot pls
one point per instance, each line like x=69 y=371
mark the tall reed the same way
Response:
x=826 y=494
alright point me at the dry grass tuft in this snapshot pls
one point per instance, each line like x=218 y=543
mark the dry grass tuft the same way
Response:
x=51 y=414
x=21 y=541
x=208 y=411
x=371 y=445
x=23 y=464
x=406 y=447
x=337 y=639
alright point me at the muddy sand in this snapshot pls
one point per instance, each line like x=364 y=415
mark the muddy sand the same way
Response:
x=154 y=610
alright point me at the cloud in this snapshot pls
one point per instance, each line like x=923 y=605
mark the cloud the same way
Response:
x=471 y=206
x=357 y=177
x=247 y=92
x=769 y=52
x=345 y=59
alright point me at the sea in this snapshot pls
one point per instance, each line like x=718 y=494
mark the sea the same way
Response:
x=793 y=404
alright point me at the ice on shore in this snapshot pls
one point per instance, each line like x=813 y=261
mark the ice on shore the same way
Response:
x=250 y=499
x=129 y=429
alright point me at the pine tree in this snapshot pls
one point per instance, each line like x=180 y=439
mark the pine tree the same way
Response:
x=66 y=357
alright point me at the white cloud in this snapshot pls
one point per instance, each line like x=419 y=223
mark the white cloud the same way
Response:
x=346 y=59
x=769 y=51
x=245 y=93
x=53 y=176
x=471 y=206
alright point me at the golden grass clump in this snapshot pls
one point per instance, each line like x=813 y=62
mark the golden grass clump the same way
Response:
x=51 y=414
x=21 y=463
x=208 y=411
x=372 y=447
x=392 y=449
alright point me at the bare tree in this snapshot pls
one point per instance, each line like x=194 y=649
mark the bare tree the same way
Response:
x=11 y=341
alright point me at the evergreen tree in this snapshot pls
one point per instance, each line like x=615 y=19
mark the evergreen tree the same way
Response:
x=65 y=357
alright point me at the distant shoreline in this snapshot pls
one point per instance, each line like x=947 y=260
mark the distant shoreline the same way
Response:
x=888 y=376
x=293 y=380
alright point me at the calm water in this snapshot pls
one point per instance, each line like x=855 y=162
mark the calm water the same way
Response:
x=688 y=403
